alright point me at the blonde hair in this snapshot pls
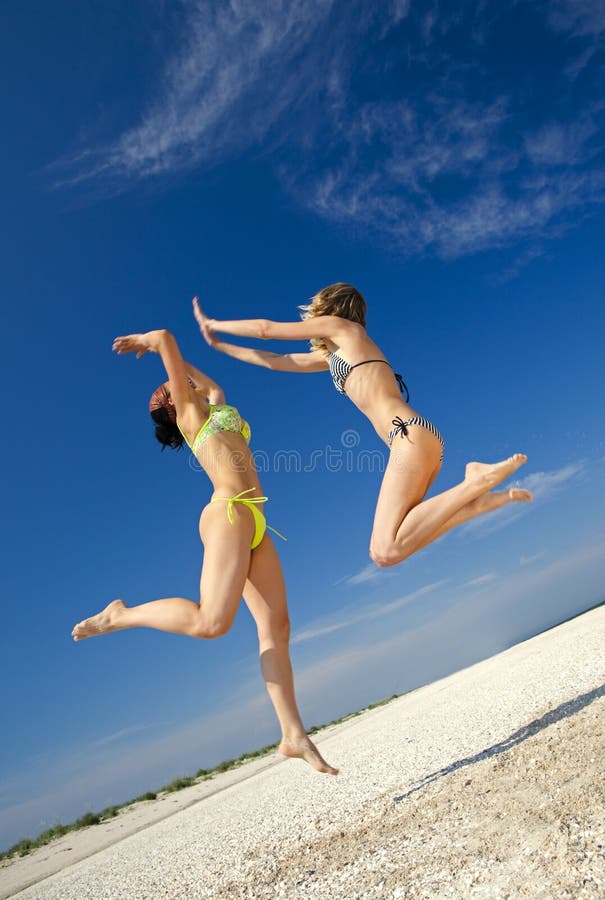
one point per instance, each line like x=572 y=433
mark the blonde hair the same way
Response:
x=338 y=299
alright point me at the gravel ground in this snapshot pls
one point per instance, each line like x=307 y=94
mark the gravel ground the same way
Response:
x=487 y=783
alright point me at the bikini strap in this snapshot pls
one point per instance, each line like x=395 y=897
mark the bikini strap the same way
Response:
x=239 y=498
x=402 y=385
x=401 y=428
x=365 y=361
x=184 y=436
x=278 y=533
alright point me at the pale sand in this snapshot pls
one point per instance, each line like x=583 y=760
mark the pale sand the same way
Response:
x=488 y=783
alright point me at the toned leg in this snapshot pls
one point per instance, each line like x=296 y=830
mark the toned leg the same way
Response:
x=224 y=571
x=265 y=596
x=486 y=503
x=403 y=522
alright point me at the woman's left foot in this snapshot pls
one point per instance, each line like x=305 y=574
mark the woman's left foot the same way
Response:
x=304 y=748
x=491 y=474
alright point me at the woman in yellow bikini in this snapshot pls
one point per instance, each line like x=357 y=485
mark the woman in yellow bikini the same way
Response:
x=239 y=556
x=335 y=324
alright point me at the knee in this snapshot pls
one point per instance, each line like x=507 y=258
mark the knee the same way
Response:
x=385 y=556
x=275 y=631
x=208 y=629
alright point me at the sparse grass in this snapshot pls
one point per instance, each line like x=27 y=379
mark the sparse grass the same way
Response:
x=178 y=784
x=26 y=845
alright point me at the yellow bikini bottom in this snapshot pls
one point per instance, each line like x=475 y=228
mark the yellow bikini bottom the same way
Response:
x=260 y=523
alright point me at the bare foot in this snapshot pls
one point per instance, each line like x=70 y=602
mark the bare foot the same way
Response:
x=520 y=495
x=492 y=474
x=494 y=500
x=304 y=748
x=102 y=623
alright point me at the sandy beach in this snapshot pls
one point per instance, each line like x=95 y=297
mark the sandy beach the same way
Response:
x=488 y=783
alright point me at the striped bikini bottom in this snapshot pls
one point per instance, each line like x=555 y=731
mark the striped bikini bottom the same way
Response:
x=400 y=426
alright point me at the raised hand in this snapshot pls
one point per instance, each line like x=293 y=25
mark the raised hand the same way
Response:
x=134 y=343
x=204 y=322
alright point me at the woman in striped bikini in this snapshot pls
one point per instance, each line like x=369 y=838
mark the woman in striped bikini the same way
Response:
x=404 y=521
x=239 y=556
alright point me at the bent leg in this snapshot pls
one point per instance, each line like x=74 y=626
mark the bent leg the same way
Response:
x=486 y=503
x=265 y=596
x=403 y=522
x=224 y=571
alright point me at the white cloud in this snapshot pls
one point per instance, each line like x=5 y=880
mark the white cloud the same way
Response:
x=545 y=484
x=119 y=735
x=478 y=623
x=239 y=66
x=528 y=560
x=578 y=18
x=281 y=79
x=481 y=579
x=562 y=144
x=371 y=572
x=400 y=9
x=346 y=618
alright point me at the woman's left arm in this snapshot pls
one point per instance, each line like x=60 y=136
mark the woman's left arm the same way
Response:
x=331 y=327
x=203 y=382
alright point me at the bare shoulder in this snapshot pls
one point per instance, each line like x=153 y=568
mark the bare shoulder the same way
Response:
x=338 y=327
x=352 y=339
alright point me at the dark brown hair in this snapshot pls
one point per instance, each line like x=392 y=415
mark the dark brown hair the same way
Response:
x=163 y=414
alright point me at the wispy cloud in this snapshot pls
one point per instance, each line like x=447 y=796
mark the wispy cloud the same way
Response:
x=534 y=557
x=581 y=19
x=371 y=572
x=484 y=622
x=429 y=168
x=545 y=484
x=480 y=579
x=238 y=68
x=348 y=617
x=120 y=735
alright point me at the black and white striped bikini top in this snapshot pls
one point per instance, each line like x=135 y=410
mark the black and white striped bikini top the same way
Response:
x=340 y=371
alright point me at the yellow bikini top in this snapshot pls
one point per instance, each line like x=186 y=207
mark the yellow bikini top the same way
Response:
x=220 y=418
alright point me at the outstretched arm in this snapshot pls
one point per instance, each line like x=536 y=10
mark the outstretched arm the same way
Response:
x=163 y=343
x=314 y=361
x=331 y=327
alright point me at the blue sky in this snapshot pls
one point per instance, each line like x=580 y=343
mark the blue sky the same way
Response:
x=449 y=162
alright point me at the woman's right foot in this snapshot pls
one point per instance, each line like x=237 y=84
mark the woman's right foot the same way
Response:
x=489 y=501
x=491 y=474
x=105 y=621
x=304 y=748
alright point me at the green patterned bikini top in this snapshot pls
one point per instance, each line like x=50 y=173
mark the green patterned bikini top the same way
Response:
x=220 y=418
